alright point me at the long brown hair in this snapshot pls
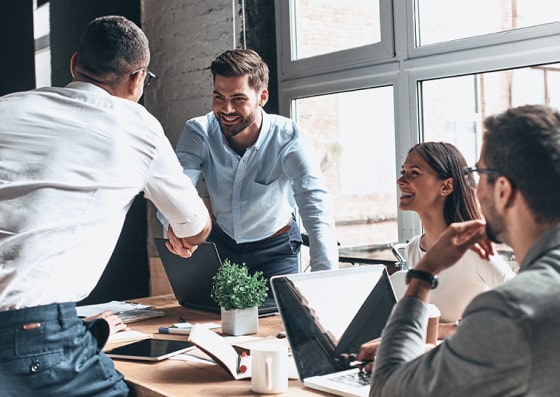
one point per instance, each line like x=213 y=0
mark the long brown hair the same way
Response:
x=448 y=162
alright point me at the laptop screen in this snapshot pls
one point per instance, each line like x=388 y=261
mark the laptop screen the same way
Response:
x=331 y=313
x=191 y=278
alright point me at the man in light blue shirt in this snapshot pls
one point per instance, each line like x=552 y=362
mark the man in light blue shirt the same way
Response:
x=257 y=168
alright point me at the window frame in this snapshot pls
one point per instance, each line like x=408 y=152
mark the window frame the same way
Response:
x=404 y=66
x=345 y=59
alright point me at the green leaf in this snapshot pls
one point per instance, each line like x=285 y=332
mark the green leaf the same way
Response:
x=234 y=288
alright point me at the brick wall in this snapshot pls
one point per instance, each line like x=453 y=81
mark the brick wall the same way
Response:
x=185 y=35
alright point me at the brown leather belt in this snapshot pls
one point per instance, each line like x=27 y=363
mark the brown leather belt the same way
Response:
x=280 y=231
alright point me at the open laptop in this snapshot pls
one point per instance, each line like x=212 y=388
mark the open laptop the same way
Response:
x=327 y=315
x=191 y=278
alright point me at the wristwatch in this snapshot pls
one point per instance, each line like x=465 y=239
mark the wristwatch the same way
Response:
x=422 y=275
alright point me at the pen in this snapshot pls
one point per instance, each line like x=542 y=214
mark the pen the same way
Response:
x=359 y=363
x=243 y=363
x=171 y=330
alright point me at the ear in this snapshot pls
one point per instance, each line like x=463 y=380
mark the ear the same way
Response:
x=73 y=62
x=447 y=187
x=135 y=87
x=504 y=193
x=263 y=97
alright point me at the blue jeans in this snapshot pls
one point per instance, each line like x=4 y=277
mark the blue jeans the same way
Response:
x=49 y=351
x=273 y=256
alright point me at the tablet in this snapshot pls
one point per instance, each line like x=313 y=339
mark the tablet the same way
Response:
x=150 y=349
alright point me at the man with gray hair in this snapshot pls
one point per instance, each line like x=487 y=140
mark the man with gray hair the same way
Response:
x=72 y=160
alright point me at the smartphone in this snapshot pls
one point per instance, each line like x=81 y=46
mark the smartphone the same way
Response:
x=150 y=349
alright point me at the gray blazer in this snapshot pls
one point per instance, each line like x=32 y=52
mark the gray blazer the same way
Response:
x=508 y=343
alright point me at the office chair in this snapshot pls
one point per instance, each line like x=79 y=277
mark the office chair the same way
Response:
x=398 y=278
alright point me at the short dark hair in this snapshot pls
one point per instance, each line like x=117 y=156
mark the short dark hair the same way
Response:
x=240 y=62
x=523 y=144
x=448 y=162
x=112 y=47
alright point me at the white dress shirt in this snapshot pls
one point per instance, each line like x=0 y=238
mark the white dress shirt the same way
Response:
x=72 y=160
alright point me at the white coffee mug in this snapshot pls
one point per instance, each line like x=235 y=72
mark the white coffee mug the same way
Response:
x=269 y=368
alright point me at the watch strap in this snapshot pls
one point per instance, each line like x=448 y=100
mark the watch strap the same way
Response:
x=422 y=275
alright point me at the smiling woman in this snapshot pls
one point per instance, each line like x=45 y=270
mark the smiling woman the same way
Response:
x=432 y=184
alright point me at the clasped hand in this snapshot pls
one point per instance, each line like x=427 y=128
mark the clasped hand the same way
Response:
x=182 y=246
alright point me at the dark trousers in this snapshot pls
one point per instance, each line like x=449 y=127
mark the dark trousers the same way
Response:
x=49 y=351
x=273 y=256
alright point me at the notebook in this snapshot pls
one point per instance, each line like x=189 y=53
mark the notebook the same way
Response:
x=191 y=278
x=327 y=315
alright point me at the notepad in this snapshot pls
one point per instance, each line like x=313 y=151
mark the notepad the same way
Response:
x=127 y=311
x=185 y=328
x=218 y=348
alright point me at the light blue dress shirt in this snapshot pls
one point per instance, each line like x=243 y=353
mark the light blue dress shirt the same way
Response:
x=254 y=195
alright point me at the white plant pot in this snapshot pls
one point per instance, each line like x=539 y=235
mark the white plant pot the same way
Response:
x=238 y=322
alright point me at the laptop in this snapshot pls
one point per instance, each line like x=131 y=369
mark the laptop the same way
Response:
x=191 y=278
x=327 y=315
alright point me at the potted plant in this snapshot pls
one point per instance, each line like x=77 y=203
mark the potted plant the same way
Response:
x=239 y=294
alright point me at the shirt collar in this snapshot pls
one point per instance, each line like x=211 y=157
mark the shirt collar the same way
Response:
x=85 y=86
x=548 y=241
x=265 y=126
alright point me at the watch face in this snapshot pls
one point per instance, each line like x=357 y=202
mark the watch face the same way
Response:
x=435 y=282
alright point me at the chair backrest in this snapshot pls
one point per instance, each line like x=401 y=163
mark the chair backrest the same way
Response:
x=396 y=250
x=398 y=281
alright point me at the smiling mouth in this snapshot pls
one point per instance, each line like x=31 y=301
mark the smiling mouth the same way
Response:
x=229 y=119
x=406 y=195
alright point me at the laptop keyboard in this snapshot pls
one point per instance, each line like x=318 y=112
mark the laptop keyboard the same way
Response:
x=359 y=378
x=268 y=303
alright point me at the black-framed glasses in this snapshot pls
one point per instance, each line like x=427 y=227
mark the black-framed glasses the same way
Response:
x=149 y=76
x=472 y=174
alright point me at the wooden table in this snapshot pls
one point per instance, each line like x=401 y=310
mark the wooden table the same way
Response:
x=186 y=378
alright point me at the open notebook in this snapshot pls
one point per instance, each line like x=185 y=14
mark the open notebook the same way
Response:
x=327 y=315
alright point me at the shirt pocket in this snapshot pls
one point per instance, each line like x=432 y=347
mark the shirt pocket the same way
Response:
x=263 y=195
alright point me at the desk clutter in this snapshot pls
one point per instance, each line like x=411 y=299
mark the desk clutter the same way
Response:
x=194 y=372
x=232 y=356
x=185 y=328
x=128 y=312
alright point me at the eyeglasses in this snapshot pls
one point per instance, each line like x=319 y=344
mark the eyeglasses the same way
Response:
x=472 y=174
x=149 y=76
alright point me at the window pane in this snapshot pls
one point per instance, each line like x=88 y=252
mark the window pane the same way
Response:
x=444 y=20
x=325 y=26
x=454 y=108
x=41 y=31
x=357 y=144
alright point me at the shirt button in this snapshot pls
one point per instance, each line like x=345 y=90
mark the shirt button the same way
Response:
x=35 y=366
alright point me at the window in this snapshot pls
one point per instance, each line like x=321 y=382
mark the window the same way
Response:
x=436 y=70
x=41 y=31
x=444 y=20
x=477 y=96
x=325 y=26
x=356 y=144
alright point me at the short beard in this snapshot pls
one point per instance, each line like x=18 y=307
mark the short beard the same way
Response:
x=491 y=234
x=232 y=130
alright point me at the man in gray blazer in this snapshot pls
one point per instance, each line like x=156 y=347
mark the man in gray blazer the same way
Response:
x=507 y=343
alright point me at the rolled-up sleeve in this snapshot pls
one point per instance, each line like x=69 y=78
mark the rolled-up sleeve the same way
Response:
x=174 y=195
